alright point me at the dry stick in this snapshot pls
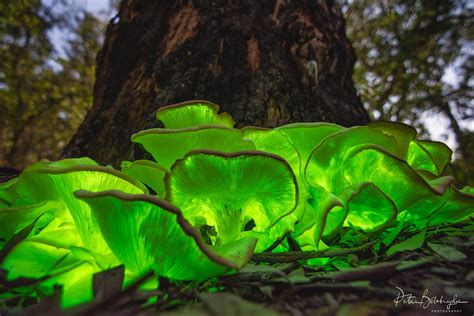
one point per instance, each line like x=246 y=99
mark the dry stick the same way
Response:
x=301 y=255
x=346 y=287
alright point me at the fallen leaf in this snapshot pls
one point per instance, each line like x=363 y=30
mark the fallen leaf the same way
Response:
x=447 y=252
x=412 y=243
x=267 y=290
x=294 y=277
x=470 y=276
x=393 y=233
x=298 y=276
x=17 y=238
x=229 y=304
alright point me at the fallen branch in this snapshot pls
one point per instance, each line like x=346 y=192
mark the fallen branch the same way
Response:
x=302 y=255
x=324 y=287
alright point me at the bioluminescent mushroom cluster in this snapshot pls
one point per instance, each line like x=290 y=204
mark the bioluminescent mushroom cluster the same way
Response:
x=213 y=196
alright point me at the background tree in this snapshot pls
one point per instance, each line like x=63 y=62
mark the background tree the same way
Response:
x=267 y=63
x=416 y=58
x=414 y=61
x=43 y=94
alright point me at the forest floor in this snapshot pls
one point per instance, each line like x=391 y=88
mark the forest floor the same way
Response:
x=426 y=273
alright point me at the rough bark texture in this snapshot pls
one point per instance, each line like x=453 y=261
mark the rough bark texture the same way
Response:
x=267 y=63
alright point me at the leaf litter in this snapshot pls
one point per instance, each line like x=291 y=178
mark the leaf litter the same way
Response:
x=438 y=260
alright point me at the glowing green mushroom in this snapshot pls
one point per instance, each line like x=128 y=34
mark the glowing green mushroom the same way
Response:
x=7 y=193
x=70 y=248
x=50 y=258
x=428 y=156
x=368 y=207
x=148 y=233
x=13 y=219
x=345 y=160
x=305 y=136
x=394 y=177
x=168 y=145
x=76 y=284
x=53 y=266
x=57 y=183
x=452 y=207
x=391 y=175
x=192 y=114
x=147 y=172
x=274 y=142
x=325 y=214
x=294 y=142
x=362 y=205
x=401 y=135
x=439 y=152
x=35 y=260
x=228 y=196
x=333 y=149
x=324 y=166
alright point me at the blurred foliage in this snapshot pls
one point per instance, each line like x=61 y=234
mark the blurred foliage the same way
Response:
x=405 y=49
x=44 y=94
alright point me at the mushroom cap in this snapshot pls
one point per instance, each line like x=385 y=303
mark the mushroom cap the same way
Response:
x=8 y=193
x=148 y=173
x=51 y=254
x=368 y=208
x=294 y=142
x=227 y=192
x=168 y=145
x=428 y=156
x=451 y=207
x=366 y=169
x=275 y=142
x=401 y=135
x=370 y=163
x=324 y=214
x=13 y=219
x=146 y=233
x=57 y=181
x=193 y=113
x=305 y=136
x=332 y=150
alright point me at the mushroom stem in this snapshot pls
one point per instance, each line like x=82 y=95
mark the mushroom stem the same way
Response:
x=229 y=225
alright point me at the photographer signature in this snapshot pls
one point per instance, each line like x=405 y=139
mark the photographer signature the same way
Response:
x=426 y=301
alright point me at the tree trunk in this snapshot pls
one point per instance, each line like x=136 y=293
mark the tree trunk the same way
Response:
x=267 y=63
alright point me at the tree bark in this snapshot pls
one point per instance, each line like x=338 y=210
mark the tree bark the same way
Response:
x=267 y=63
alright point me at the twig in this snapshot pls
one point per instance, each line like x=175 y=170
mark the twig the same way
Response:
x=346 y=287
x=301 y=255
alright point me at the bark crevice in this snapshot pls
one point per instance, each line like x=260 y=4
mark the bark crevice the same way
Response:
x=265 y=63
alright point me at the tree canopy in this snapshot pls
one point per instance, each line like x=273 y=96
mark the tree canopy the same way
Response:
x=415 y=59
x=44 y=92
